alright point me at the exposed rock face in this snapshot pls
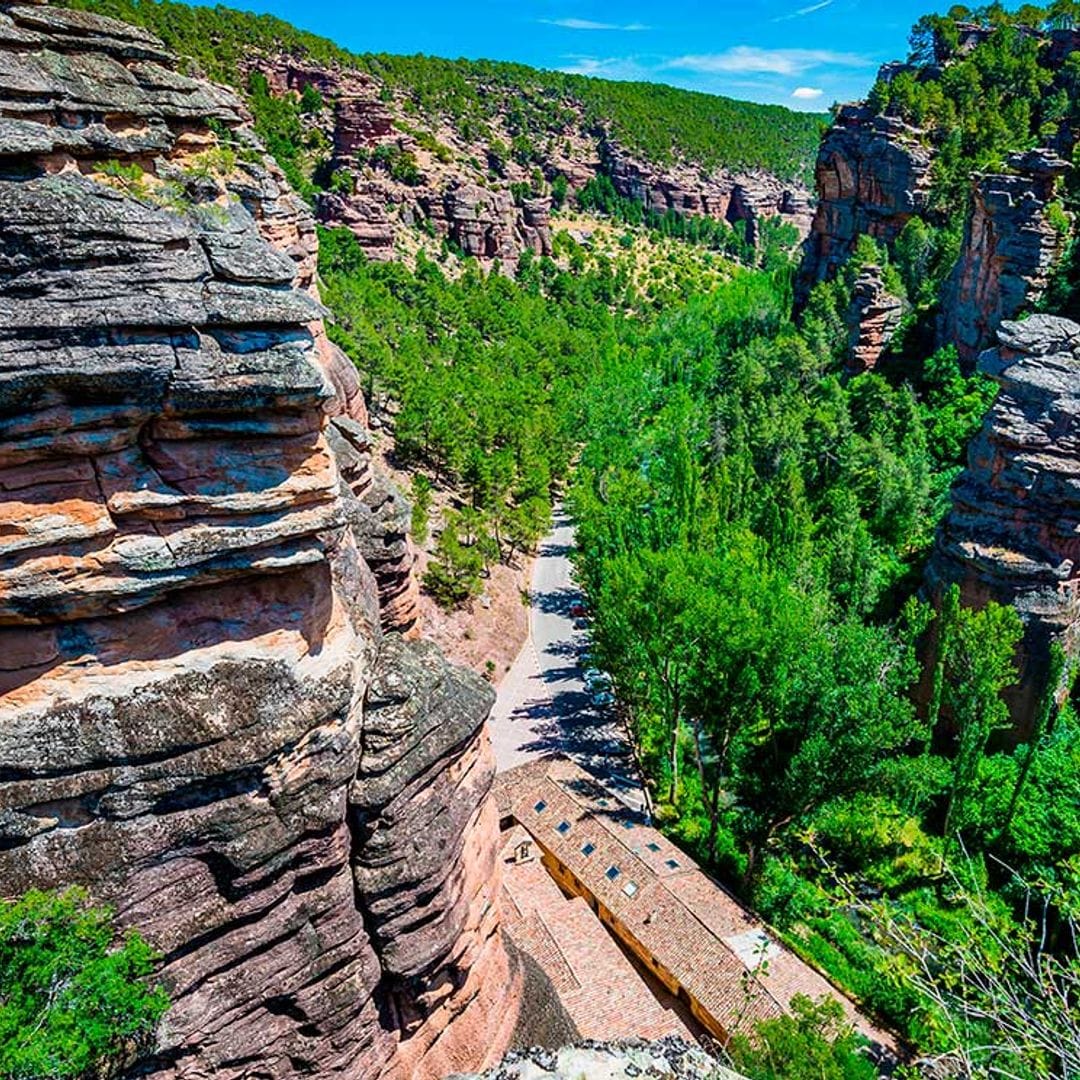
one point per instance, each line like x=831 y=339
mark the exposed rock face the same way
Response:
x=380 y=517
x=366 y=215
x=1011 y=534
x=748 y=197
x=872 y=176
x=459 y=202
x=671 y=1058
x=1008 y=251
x=871 y=319
x=201 y=719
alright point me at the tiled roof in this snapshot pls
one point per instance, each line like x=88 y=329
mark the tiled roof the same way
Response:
x=602 y=991
x=695 y=928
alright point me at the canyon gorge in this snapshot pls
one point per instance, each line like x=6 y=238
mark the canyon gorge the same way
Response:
x=219 y=711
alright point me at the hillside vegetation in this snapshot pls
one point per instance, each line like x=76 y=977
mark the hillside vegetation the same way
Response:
x=661 y=123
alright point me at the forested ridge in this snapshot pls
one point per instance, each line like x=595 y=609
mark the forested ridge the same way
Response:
x=660 y=122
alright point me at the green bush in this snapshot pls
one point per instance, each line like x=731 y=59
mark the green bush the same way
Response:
x=74 y=997
x=814 y=1041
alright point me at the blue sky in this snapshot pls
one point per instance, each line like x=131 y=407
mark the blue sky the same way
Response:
x=801 y=53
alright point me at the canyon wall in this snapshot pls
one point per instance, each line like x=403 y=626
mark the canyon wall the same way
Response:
x=872 y=176
x=204 y=720
x=1011 y=534
x=1009 y=248
x=453 y=195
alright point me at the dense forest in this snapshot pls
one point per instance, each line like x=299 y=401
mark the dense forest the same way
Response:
x=662 y=123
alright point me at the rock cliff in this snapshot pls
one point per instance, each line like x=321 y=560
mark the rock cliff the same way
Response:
x=1010 y=246
x=872 y=175
x=202 y=718
x=458 y=194
x=1011 y=533
x=871 y=319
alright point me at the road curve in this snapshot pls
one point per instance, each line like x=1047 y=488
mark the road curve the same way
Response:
x=543 y=706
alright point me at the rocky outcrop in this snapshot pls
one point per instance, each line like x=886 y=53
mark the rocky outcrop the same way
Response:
x=872 y=318
x=747 y=197
x=456 y=197
x=1011 y=533
x=1009 y=249
x=671 y=1058
x=366 y=213
x=203 y=722
x=380 y=518
x=872 y=176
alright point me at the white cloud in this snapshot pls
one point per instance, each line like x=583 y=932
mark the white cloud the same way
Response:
x=806 y=93
x=798 y=12
x=628 y=68
x=749 y=59
x=589 y=24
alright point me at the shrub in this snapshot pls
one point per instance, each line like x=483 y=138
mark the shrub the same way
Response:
x=74 y=1000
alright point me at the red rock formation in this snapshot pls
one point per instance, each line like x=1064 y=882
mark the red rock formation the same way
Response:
x=365 y=214
x=871 y=319
x=1008 y=251
x=1012 y=532
x=203 y=722
x=750 y=197
x=872 y=175
x=483 y=220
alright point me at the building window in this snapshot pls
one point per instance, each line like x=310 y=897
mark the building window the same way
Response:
x=587 y=849
x=612 y=872
x=630 y=888
x=672 y=864
x=540 y=807
x=653 y=846
x=562 y=828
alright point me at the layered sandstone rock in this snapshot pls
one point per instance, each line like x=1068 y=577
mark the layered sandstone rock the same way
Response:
x=872 y=318
x=1009 y=248
x=201 y=719
x=457 y=198
x=872 y=176
x=1012 y=532
x=748 y=197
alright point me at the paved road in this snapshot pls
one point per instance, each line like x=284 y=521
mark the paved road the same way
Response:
x=543 y=705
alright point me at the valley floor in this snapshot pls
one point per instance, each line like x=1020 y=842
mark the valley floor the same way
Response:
x=543 y=706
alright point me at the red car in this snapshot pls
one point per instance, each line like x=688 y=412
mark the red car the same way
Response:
x=578 y=611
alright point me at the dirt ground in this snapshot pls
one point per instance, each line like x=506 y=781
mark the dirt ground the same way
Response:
x=487 y=633
x=488 y=630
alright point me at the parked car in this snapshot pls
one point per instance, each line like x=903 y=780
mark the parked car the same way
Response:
x=601 y=699
x=597 y=679
x=578 y=610
x=581 y=624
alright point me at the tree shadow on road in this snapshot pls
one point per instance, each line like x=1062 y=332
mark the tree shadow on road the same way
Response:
x=555 y=601
x=551 y=550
